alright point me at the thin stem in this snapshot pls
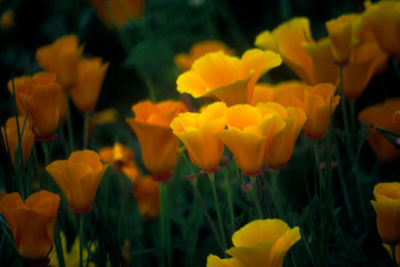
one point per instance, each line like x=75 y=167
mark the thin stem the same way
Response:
x=58 y=244
x=211 y=177
x=165 y=226
x=393 y=249
x=45 y=148
x=70 y=129
x=80 y=223
x=275 y=193
x=253 y=192
x=207 y=214
x=85 y=129
x=230 y=200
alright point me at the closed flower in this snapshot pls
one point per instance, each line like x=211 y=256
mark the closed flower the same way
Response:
x=85 y=91
x=38 y=95
x=226 y=78
x=10 y=138
x=151 y=126
x=32 y=223
x=197 y=131
x=387 y=208
x=340 y=34
x=78 y=178
x=249 y=134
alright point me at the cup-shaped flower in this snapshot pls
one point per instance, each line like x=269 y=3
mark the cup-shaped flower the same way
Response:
x=10 y=138
x=32 y=223
x=185 y=61
x=249 y=134
x=147 y=195
x=381 y=115
x=151 y=126
x=38 y=95
x=340 y=34
x=85 y=91
x=62 y=58
x=259 y=243
x=227 y=78
x=387 y=208
x=78 y=178
x=197 y=131
x=282 y=145
x=381 y=22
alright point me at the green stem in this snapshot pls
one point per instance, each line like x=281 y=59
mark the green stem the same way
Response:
x=275 y=193
x=45 y=148
x=230 y=200
x=80 y=223
x=152 y=92
x=393 y=249
x=206 y=213
x=70 y=129
x=85 y=129
x=165 y=226
x=211 y=177
x=58 y=244
x=253 y=192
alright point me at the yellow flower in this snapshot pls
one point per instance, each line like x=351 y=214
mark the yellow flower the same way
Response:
x=227 y=78
x=10 y=138
x=380 y=22
x=259 y=243
x=382 y=115
x=32 y=223
x=151 y=126
x=249 y=134
x=71 y=256
x=38 y=95
x=85 y=91
x=147 y=196
x=78 y=178
x=340 y=34
x=62 y=58
x=387 y=208
x=117 y=13
x=185 y=61
x=197 y=131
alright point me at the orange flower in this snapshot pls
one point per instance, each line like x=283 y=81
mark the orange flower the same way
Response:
x=78 y=178
x=313 y=61
x=117 y=13
x=62 y=58
x=151 y=126
x=185 y=61
x=259 y=243
x=387 y=208
x=102 y=117
x=147 y=196
x=7 y=19
x=38 y=95
x=10 y=137
x=85 y=92
x=382 y=115
x=227 y=78
x=340 y=34
x=197 y=131
x=32 y=223
x=249 y=134
x=380 y=22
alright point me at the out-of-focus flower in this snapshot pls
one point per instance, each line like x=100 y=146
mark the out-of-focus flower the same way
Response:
x=226 y=78
x=382 y=115
x=387 y=208
x=71 y=256
x=38 y=95
x=151 y=126
x=7 y=19
x=340 y=34
x=32 y=223
x=249 y=134
x=185 y=61
x=282 y=145
x=197 y=131
x=117 y=13
x=259 y=243
x=313 y=61
x=85 y=91
x=102 y=117
x=10 y=138
x=317 y=102
x=380 y=22
x=78 y=178
x=147 y=196
x=62 y=58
